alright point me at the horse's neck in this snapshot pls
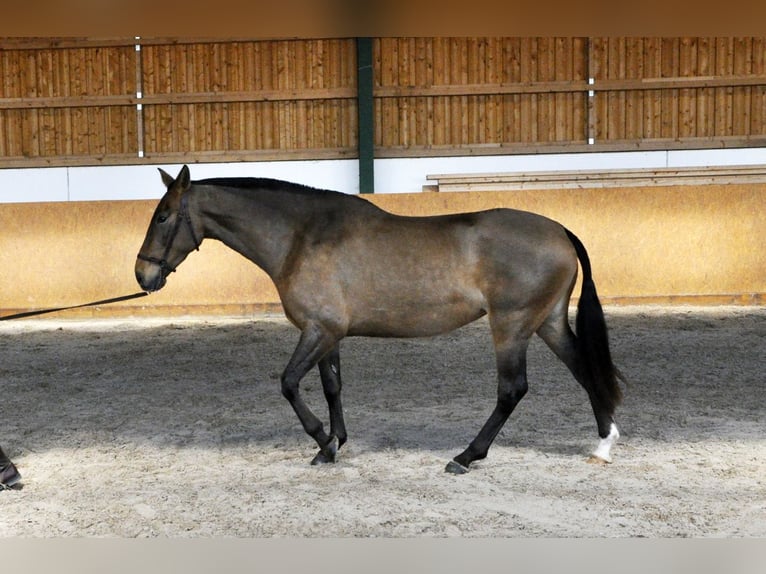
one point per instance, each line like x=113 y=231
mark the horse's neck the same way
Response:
x=251 y=224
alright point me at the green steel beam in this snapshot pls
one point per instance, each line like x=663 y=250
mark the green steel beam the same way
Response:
x=365 y=107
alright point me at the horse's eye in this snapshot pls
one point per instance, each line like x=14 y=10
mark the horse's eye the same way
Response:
x=162 y=218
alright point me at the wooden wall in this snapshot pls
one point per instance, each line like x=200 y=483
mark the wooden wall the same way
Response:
x=444 y=94
x=90 y=102
x=683 y=90
x=693 y=244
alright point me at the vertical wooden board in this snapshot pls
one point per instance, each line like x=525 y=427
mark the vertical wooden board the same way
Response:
x=743 y=59
x=44 y=65
x=686 y=105
x=618 y=60
x=544 y=71
x=424 y=75
x=719 y=94
x=458 y=104
x=184 y=116
x=46 y=127
x=27 y=127
x=150 y=145
x=222 y=125
x=669 y=69
x=5 y=73
x=565 y=71
x=261 y=111
x=470 y=120
x=4 y=133
x=526 y=101
x=229 y=82
x=298 y=80
x=170 y=114
x=437 y=104
x=111 y=140
x=315 y=111
x=596 y=104
x=581 y=119
x=408 y=77
x=614 y=98
x=12 y=75
x=492 y=74
x=79 y=132
x=377 y=103
x=703 y=95
x=11 y=134
x=347 y=110
x=248 y=125
x=352 y=121
x=95 y=72
x=67 y=121
x=202 y=134
x=28 y=76
x=64 y=116
x=124 y=140
x=758 y=102
x=634 y=69
x=417 y=77
x=151 y=84
x=250 y=119
x=389 y=77
x=381 y=77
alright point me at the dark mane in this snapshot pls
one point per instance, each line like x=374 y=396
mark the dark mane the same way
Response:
x=264 y=183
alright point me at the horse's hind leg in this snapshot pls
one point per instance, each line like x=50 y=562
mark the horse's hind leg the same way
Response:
x=511 y=352
x=314 y=344
x=558 y=335
x=329 y=370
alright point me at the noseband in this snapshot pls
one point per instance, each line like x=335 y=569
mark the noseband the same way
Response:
x=183 y=216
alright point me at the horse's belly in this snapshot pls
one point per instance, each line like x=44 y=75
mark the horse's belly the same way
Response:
x=408 y=318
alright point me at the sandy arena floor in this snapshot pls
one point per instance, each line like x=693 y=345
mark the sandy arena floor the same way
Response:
x=145 y=428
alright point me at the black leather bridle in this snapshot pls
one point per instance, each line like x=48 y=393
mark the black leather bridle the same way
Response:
x=183 y=216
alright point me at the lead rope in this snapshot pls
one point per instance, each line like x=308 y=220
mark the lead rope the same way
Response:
x=56 y=309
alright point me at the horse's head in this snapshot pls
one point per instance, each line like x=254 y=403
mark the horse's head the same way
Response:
x=171 y=235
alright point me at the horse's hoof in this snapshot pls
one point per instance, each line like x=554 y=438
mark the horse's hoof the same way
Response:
x=327 y=453
x=594 y=459
x=455 y=468
x=9 y=477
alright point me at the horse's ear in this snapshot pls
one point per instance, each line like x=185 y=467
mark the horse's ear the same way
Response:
x=179 y=184
x=183 y=181
x=167 y=179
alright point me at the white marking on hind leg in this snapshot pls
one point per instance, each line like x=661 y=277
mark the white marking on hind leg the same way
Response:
x=604 y=447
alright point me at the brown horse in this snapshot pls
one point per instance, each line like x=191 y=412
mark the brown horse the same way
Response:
x=343 y=267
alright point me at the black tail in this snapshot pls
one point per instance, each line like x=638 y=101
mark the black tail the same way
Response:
x=595 y=359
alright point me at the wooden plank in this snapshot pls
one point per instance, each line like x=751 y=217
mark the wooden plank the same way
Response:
x=599 y=179
x=528 y=75
x=593 y=174
x=758 y=104
x=686 y=108
x=513 y=148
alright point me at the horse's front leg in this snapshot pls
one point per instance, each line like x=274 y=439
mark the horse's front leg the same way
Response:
x=314 y=344
x=9 y=475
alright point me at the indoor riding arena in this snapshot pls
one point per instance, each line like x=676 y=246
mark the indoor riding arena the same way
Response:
x=163 y=415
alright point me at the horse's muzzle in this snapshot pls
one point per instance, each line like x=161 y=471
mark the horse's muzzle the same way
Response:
x=149 y=276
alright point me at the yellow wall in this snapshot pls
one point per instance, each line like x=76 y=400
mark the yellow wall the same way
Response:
x=700 y=244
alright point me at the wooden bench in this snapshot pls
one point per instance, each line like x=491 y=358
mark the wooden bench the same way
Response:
x=577 y=179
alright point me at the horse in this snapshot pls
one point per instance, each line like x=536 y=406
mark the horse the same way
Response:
x=344 y=267
x=9 y=474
